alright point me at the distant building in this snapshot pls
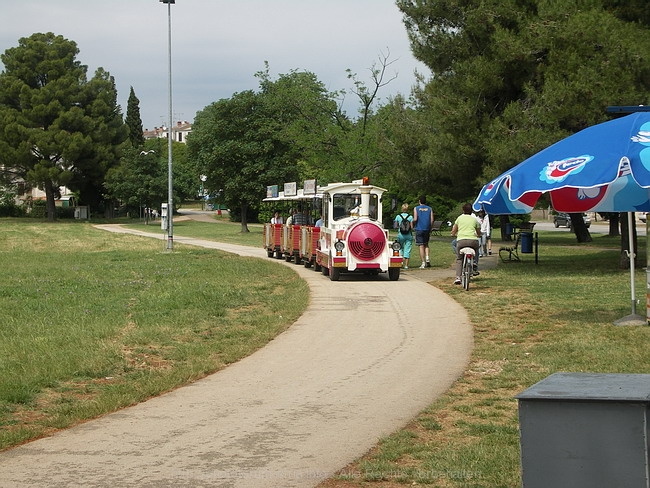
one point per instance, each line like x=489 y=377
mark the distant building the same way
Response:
x=26 y=193
x=179 y=132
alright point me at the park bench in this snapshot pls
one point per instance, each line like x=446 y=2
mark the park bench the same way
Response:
x=511 y=253
x=435 y=229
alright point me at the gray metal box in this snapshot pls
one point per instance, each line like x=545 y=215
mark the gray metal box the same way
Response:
x=586 y=430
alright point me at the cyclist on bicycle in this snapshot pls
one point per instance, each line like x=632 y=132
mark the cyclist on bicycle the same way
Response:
x=466 y=230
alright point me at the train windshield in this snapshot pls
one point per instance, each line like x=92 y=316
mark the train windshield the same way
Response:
x=347 y=204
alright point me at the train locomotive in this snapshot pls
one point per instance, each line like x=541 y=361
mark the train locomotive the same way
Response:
x=351 y=238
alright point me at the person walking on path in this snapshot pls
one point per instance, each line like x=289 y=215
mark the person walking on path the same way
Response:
x=404 y=224
x=467 y=231
x=486 y=241
x=422 y=223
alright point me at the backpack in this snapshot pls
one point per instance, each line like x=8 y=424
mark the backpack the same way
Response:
x=404 y=225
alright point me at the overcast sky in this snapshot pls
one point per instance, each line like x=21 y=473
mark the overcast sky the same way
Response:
x=218 y=45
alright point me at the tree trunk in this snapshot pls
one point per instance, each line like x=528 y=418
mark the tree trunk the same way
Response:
x=613 y=224
x=109 y=208
x=50 y=206
x=625 y=243
x=244 y=218
x=505 y=220
x=579 y=227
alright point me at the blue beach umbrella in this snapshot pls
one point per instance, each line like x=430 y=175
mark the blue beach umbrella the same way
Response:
x=603 y=168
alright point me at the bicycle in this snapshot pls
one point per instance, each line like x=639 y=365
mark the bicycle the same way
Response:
x=467 y=268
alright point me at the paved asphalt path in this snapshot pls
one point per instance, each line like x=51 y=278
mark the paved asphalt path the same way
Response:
x=363 y=360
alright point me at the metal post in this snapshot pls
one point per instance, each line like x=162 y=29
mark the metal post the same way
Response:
x=632 y=256
x=203 y=179
x=633 y=318
x=170 y=198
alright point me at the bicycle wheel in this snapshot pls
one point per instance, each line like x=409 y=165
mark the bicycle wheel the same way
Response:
x=466 y=273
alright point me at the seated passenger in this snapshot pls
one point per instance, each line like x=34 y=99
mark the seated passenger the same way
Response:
x=290 y=217
x=301 y=218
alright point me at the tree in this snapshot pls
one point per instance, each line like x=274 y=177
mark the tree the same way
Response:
x=141 y=179
x=511 y=77
x=256 y=139
x=308 y=121
x=233 y=142
x=359 y=138
x=133 y=121
x=59 y=129
x=367 y=94
x=399 y=137
x=106 y=135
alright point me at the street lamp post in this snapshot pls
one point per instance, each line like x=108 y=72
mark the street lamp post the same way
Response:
x=170 y=206
x=203 y=179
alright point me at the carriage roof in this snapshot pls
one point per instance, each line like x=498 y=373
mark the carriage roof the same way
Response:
x=349 y=188
x=300 y=195
x=354 y=187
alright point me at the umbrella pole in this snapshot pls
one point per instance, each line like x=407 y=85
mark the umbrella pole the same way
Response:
x=633 y=318
x=631 y=255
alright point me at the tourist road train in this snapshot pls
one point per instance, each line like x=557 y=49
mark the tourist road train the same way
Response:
x=351 y=239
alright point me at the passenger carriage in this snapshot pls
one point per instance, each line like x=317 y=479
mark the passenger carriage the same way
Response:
x=295 y=242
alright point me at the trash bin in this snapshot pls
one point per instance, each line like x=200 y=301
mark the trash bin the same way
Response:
x=585 y=430
x=526 y=242
x=510 y=229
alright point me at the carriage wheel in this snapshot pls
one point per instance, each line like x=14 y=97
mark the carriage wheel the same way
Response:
x=335 y=274
x=393 y=274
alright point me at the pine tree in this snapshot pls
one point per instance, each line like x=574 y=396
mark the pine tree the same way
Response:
x=59 y=128
x=133 y=120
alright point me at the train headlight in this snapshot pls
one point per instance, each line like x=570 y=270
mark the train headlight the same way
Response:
x=396 y=246
x=339 y=246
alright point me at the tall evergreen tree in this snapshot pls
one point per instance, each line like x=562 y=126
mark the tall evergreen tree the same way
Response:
x=133 y=120
x=58 y=128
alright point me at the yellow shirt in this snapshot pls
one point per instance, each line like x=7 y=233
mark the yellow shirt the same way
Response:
x=467 y=225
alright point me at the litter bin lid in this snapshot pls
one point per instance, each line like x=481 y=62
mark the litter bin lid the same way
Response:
x=591 y=387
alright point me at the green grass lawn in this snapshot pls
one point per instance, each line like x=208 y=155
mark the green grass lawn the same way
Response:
x=94 y=322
